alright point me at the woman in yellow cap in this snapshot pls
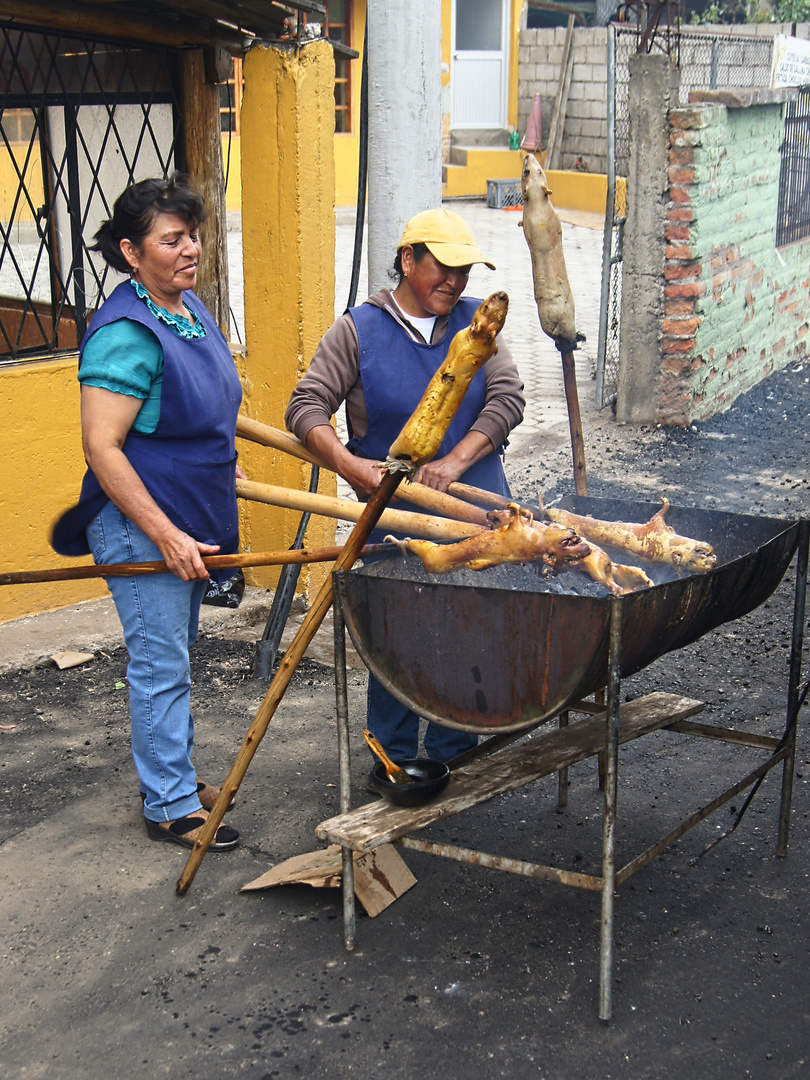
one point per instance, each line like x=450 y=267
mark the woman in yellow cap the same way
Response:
x=378 y=358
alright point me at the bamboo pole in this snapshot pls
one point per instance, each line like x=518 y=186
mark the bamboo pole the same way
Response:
x=452 y=504
x=402 y=521
x=289 y=662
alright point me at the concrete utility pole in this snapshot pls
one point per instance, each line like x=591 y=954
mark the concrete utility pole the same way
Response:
x=404 y=124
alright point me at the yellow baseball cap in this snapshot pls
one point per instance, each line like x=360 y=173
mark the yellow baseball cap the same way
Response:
x=448 y=238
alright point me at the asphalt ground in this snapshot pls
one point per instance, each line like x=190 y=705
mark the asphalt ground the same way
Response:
x=471 y=972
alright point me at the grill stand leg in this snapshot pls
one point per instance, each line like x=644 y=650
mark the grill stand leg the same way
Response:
x=609 y=825
x=344 y=760
x=562 y=781
x=793 y=704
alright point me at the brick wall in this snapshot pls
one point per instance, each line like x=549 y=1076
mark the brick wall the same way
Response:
x=736 y=308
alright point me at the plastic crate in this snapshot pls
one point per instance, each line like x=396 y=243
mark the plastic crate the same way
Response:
x=503 y=194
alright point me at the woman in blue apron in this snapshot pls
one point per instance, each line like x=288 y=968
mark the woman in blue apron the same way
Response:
x=377 y=359
x=159 y=400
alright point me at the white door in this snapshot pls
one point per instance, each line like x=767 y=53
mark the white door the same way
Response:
x=479 y=72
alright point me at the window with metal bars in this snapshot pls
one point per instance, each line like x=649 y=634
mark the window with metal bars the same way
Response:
x=80 y=119
x=793 y=212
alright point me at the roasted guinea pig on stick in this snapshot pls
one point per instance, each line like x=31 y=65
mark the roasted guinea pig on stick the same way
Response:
x=519 y=539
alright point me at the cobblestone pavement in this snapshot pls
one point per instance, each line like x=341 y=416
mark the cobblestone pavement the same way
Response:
x=500 y=238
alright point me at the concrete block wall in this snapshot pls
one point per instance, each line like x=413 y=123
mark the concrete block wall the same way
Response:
x=540 y=54
x=585 y=130
x=736 y=308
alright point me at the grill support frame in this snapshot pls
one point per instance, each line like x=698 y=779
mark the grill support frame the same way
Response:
x=781 y=750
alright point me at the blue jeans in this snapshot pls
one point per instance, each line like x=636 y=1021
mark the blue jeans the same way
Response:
x=397 y=728
x=159 y=614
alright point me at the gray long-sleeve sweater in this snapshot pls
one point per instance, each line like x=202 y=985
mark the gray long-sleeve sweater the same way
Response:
x=334 y=377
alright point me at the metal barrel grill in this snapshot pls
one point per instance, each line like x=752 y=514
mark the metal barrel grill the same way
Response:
x=500 y=650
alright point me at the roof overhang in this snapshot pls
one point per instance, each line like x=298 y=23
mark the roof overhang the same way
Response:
x=234 y=25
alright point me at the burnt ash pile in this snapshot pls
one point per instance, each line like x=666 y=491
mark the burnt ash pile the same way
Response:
x=752 y=459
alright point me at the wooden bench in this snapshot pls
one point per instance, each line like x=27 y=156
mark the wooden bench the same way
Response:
x=380 y=822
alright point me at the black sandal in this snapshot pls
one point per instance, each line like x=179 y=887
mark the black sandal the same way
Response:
x=185 y=831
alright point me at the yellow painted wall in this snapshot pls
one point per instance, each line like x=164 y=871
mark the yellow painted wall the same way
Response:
x=288 y=229
x=288 y=242
x=9 y=179
x=41 y=452
x=232 y=170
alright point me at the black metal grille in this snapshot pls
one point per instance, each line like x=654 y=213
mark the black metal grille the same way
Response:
x=79 y=120
x=793 y=213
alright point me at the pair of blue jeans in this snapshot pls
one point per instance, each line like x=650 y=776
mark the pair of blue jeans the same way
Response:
x=397 y=728
x=159 y=614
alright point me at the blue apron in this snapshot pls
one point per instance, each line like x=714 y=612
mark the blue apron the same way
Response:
x=395 y=371
x=188 y=462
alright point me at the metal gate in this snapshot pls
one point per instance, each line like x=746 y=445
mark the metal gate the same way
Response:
x=80 y=119
x=708 y=61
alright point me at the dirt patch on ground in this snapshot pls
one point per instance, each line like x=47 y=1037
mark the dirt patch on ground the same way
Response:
x=471 y=972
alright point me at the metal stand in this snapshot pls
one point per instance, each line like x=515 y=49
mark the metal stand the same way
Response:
x=609 y=822
x=362 y=829
x=793 y=701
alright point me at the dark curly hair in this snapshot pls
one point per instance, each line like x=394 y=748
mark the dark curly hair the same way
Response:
x=135 y=210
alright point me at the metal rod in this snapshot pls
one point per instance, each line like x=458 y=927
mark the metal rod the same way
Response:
x=268 y=645
x=610 y=218
x=501 y=862
x=562 y=776
x=794 y=679
x=727 y=735
x=344 y=760
x=695 y=819
x=609 y=826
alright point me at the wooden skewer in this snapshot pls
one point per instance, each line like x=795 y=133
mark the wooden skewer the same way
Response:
x=284 y=673
x=461 y=502
x=212 y=562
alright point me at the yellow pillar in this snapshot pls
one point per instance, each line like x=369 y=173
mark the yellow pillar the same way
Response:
x=288 y=240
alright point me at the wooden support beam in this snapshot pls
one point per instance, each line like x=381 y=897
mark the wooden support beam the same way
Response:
x=203 y=151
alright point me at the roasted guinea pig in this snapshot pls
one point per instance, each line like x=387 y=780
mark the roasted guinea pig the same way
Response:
x=543 y=232
x=518 y=539
x=655 y=540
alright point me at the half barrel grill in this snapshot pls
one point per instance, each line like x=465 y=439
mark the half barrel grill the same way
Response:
x=502 y=650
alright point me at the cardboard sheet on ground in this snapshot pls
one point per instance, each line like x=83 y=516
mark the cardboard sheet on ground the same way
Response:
x=69 y=659
x=380 y=876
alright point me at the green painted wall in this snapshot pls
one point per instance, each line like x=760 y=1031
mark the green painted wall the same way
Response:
x=736 y=306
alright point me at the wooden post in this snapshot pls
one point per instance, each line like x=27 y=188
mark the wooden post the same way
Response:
x=203 y=150
x=555 y=135
x=574 y=423
x=284 y=673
